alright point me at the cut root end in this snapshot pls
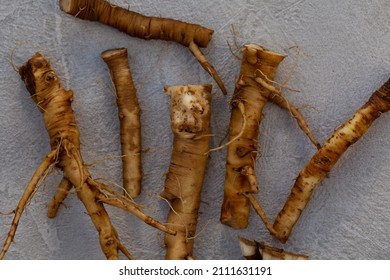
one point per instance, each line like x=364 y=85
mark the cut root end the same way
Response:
x=66 y=5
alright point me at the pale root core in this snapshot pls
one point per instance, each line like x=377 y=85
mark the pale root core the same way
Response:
x=65 y=5
x=253 y=250
x=188 y=104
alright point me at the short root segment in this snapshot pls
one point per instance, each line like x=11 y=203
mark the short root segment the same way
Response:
x=134 y=24
x=253 y=250
x=61 y=193
x=190 y=122
x=324 y=159
x=129 y=113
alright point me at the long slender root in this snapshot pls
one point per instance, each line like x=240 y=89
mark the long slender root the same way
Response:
x=103 y=188
x=134 y=24
x=207 y=66
x=259 y=210
x=49 y=160
x=324 y=159
x=135 y=211
x=241 y=107
x=125 y=252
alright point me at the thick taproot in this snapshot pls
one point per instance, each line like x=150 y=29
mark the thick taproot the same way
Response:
x=324 y=159
x=190 y=122
x=248 y=101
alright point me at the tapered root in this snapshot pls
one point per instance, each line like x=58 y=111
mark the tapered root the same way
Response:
x=54 y=103
x=135 y=211
x=277 y=97
x=124 y=203
x=59 y=196
x=259 y=210
x=324 y=159
x=137 y=25
x=195 y=50
x=129 y=113
x=28 y=194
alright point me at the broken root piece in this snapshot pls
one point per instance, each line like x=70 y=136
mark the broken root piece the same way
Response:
x=247 y=105
x=134 y=24
x=190 y=122
x=324 y=159
x=249 y=98
x=253 y=250
x=129 y=113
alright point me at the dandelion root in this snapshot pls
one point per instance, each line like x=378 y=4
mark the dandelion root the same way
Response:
x=134 y=24
x=54 y=102
x=324 y=159
x=129 y=116
x=26 y=197
x=190 y=121
x=253 y=250
x=248 y=101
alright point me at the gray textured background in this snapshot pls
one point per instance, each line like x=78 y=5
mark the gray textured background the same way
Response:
x=345 y=56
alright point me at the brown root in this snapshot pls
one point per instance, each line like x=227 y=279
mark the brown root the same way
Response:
x=279 y=99
x=259 y=210
x=129 y=113
x=252 y=92
x=253 y=250
x=190 y=122
x=55 y=104
x=207 y=66
x=324 y=159
x=28 y=194
x=59 y=196
x=242 y=151
x=134 y=24
x=137 y=25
